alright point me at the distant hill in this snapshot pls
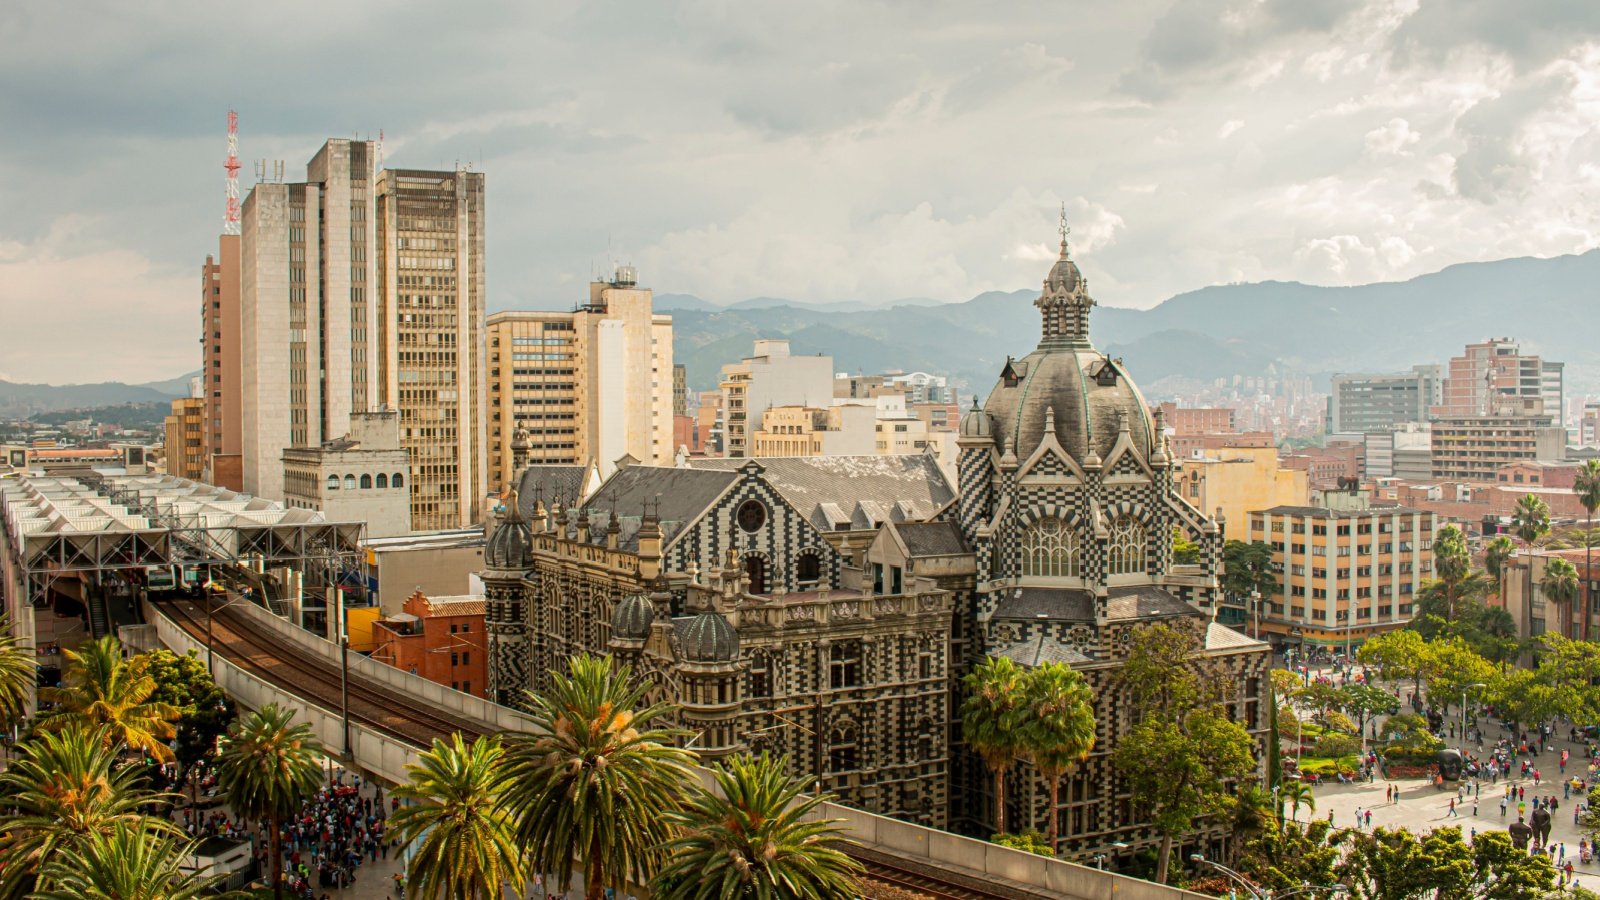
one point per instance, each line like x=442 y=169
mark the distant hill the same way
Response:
x=18 y=401
x=1209 y=333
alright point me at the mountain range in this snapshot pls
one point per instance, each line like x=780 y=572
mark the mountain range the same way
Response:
x=1214 y=332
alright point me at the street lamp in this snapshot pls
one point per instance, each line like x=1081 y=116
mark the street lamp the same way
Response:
x=1255 y=604
x=1260 y=893
x=1464 y=689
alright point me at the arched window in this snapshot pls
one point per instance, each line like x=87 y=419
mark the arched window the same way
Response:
x=842 y=755
x=397 y=481
x=1125 y=552
x=333 y=482
x=366 y=482
x=759 y=682
x=808 y=568
x=1050 y=549
x=383 y=481
x=349 y=482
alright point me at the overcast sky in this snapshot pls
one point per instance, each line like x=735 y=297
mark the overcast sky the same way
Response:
x=819 y=151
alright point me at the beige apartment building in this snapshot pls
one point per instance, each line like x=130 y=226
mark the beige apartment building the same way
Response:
x=430 y=319
x=360 y=477
x=1347 y=574
x=771 y=377
x=1473 y=448
x=1231 y=483
x=219 y=326
x=588 y=386
x=185 y=427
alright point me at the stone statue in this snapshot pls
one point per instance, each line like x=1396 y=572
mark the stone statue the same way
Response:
x=1520 y=833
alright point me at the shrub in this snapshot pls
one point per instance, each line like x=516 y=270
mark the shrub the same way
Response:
x=1335 y=745
x=1030 y=840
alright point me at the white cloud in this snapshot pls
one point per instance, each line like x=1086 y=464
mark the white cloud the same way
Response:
x=1394 y=137
x=1228 y=128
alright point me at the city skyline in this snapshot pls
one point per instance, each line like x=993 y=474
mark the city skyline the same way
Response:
x=1192 y=143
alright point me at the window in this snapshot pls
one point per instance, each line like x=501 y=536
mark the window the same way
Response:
x=844 y=665
x=1050 y=549
x=759 y=681
x=383 y=481
x=455 y=659
x=1125 y=553
x=896 y=580
x=752 y=515
x=466 y=659
x=466 y=627
x=349 y=482
x=397 y=481
x=454 y=628
x=366 y=482
x=842 y=749
x=808 y=568
x=333 y=482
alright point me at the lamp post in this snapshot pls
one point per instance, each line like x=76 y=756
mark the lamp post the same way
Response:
x=1260 y=893
x=1255 y=604
x=1464 y=689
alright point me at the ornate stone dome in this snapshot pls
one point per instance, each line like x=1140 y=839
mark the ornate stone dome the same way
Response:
x=708 y=638
x=1090 y=395
x=510 y=544
x=632 y=618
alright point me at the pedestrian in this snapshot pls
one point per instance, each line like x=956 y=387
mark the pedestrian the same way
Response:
x=1474 y=807
x=1388 y=793
x=1369 y=818
x=1452 y=808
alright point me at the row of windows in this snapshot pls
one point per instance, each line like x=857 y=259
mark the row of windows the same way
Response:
x=366 y=482
x=1050 y=549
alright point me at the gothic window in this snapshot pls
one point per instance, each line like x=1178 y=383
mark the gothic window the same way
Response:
x=842 y=755
x=760 y=681
x=808 y=568
x=1125 y=552
x=1050 y=549
x=844 y=664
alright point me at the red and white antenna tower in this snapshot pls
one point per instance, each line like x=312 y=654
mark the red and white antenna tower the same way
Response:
x=230 y=216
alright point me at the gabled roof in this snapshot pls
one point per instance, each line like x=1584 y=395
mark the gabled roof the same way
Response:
x=682 y=495
x=825 y=489
x=567 y=484
x=931 y=539
x=1145 y=602
x=1041 y=650
x=1221 y=637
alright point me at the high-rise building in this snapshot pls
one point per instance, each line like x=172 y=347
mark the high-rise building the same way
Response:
x=680 y=389
x=1374 y=403
x=1494 y=369
x=587 y=386
x=185 y=427
x=769 y=378
x=1346 y=574
x=219 y=326
x=308 y=322
x=1472 y=447
x=430 y=323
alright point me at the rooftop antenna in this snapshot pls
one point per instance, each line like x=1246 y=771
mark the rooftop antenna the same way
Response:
x=230 y=214
x=377 y=158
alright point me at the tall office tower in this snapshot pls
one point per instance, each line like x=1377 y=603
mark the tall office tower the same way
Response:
x=1375 y=403
x=586 y=386
x=219 y=326
x=1495 y=369
x=308 y=322
x=430 y=228
x=185 y=442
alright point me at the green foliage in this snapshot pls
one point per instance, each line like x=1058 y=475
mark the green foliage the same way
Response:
x=1521 y=695
x=1157 y=675
x=1318 y=696
x=1284 y=859
x=1247 y=568
x=1363 y=702
x=1296 y=794
x=18 y=672
x=1452 y=561
x=1184 y=551
x=1396 y=654
x=1589 y=819
x=1440 y=865
x=463 y=840
x=992 y=716
x=1336 y=745
x=1531 y=519
x=594 y=783
x=755 y=836
x=1409 y=741
x=1495 y=554
x=128 y=862
x=1451 y=665
x=1560 y=586
x=268 y=768
x=102 y=688
x=1030 y=841
x=204 y=712
x=1059 y=730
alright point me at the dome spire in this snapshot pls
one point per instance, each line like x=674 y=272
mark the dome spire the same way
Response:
x=1064 y=301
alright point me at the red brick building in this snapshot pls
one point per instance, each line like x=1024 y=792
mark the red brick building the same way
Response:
x=439 y=638
x=1187 y=420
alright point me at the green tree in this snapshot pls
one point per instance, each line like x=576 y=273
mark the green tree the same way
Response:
x=1248 y=568
x=63 y=788
x=1440 y=865
x=1495 y=554
x=204 y=712
x=1452 y=561
x=1569 y=667
x=1589 y=819
x=1364 y=702
x=464 y=840
x=19 y=671
x=1587 y=486
x=1521 y=696
x=1060 y=730
x=1453 y=666
x=597 y=780
x=1297 y=793
x=755 y=837
x=1531 y=519
x=1029 y=841
x=1397 y=655
x=1157 y=674
x=991 y=722
x=1319 y=696
x=1184 y=551
x=1560 y=586
x=128 y=862
x=1199 y=756
x=1284 y=859
x=268 y=768
x=102 y=688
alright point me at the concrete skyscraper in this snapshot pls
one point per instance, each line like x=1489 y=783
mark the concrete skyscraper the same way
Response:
x=219 y=326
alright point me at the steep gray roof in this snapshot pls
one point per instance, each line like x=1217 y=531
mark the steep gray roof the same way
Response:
x=1086 y=412
x=683 y=494
x=931 y=538
x=1065 y=604
x=1146 y=602
x=1042 y=650
x=550 y=483
x=1221 y=637
x=869 y=489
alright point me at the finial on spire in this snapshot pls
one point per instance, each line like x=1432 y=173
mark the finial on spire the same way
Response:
x=1065 y=228
x=1049 y=420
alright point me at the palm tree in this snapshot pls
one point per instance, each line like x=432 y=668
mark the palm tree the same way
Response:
x=1587 y=486
x=1496 y=553
x=1297 y=794
x=60 y=790
x=102 y=688
x=128 y=862
x=1531 y=519
x=991 y=722
x=1560 y=585
x=596 y=782
x=754 y=836
x=1060 y=730
x=268 y=768
x=465 y=842
x=19 y=672
x=1253 y=812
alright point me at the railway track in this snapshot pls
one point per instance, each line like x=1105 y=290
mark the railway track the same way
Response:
x=316 y=679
